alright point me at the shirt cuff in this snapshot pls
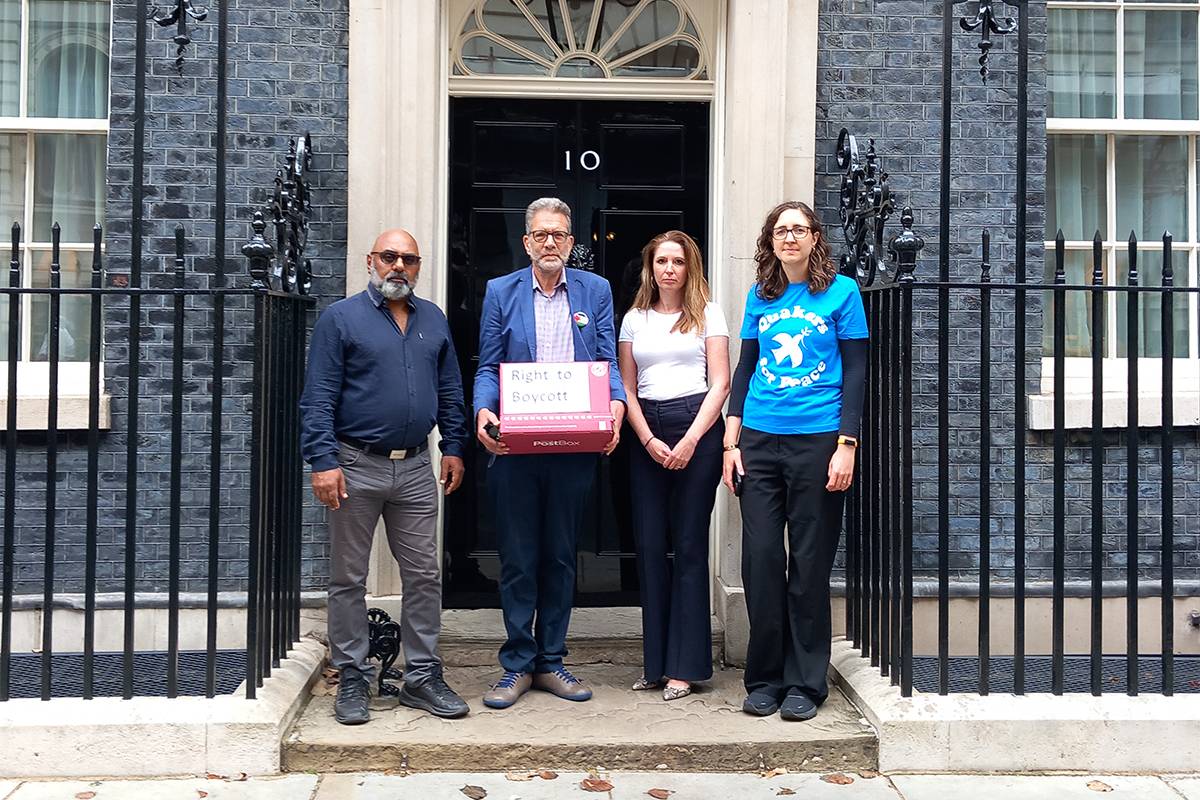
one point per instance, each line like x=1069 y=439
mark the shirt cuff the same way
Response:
x=451 y=448
x=322 y=463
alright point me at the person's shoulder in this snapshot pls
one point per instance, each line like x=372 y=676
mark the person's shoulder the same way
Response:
x=844 y=284
x=346 y=305
x=506 y=281
x=585 y=277
x=430 y=307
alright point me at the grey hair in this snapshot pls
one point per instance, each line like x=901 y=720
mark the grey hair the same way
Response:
x=551 y=204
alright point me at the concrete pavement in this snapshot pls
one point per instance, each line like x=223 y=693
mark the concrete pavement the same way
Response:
x=624 y=786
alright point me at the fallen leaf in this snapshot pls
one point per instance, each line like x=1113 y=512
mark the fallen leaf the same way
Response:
x=241 y=776
x=547 y=775
x=202 y=793
x=520 y=776
x=474 y=792
x=660 y=794
x=838 y=778
x=595 y=785
x=785 y=791
x=85 y=796
x=1099 y=786
x=868 y=773
x=774 y=772
x=212 y=776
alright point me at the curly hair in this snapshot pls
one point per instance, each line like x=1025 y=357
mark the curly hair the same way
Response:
x=772 y=280
x=695 y=288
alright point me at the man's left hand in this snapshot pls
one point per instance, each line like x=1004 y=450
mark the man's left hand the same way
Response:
x=617 y=409
x=452 y=473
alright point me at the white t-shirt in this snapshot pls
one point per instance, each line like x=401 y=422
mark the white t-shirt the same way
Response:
x=670 y=365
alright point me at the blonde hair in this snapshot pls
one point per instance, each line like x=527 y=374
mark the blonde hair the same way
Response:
x=695 y=288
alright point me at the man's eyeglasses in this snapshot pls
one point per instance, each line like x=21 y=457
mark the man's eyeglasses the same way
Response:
x=390 y=257
x=798 y=231
x=540 y=237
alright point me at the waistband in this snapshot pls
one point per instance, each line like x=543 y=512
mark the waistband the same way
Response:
x=375 y=449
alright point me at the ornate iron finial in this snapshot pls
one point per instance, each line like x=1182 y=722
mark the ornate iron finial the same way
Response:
x=1060 y=270
x=1168 y=270
x=1133 y=259
x=179 y=17
x=289 y=209
x=864 y=206
x=987 y=24
x=260 y=252
x=985 y=263
x=905 y=246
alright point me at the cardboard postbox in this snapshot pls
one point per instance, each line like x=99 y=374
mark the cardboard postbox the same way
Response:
x=555 y=408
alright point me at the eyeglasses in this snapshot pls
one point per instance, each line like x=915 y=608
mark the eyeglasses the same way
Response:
x=798 y=231
x=390 y=257
x=540 y=237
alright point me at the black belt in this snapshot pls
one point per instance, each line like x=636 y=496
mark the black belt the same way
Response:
x=378 y=450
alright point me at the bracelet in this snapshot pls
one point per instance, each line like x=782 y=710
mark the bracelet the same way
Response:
x=648 y=441
x=729 y=447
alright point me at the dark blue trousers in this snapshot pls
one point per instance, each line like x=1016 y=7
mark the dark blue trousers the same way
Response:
x=671 y=510
x=538 y=502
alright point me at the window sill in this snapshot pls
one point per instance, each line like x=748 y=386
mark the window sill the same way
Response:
x=72 y=413
x=1078 y=408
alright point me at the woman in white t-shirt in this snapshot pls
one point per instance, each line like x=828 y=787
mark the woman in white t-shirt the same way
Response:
x=674 y=356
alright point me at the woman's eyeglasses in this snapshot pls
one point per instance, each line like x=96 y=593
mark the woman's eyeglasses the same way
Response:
x=798 y=231
x=390 y=257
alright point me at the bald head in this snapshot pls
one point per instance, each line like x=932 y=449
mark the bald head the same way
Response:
x=396 y=239
x=394 y=263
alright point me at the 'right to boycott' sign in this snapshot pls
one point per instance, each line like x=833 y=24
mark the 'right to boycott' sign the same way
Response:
x=555 y=407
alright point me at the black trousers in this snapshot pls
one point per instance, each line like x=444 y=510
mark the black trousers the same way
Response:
x=787 y=591
x=671 y=510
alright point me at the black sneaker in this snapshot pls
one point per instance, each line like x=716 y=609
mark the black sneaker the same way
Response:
x=797 y=707
x=434 y=696
x=760 y=704
x=350 y=707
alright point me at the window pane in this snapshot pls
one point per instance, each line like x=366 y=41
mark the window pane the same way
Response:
x=68 y=67
x=505 y=20
x=75 y=311
x=580 y=67
x=657 y=21
x=68 y=185
x=1151 y=186
x=677 y=59
x=1081 y=63
x=10 y=58
x=12 y=182
x=1160 y=64
x=484 y=56
x=1078 y=323
x=1076 y=199
x=1150 y=305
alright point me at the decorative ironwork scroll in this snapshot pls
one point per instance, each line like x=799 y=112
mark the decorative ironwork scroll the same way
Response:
x=864 y=207
x=179 y=18
x=986 y=23
x=282 y=265
x=383 y=636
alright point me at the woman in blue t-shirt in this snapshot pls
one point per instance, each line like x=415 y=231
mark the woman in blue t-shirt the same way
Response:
x=790 y=439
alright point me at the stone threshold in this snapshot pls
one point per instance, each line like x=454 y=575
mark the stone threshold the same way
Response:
x=1019 y=734
x=618 y=729
x=145 y=736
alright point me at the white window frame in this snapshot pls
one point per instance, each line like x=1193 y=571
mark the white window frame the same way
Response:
x=1078 y=371
x=33 y=377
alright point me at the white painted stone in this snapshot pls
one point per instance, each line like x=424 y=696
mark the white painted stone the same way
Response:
x=1006 y=733
x=1029 y=787
x=1188 y=786
x=283 y=787
x=7 y=788
x=158 y=736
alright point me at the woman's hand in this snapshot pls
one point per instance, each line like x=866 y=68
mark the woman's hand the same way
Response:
x=841 y=469
x=681 y=453
x=732 y=461
x=658 y=450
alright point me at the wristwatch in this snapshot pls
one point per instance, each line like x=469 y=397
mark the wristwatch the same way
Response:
x=850 y=440
x=729 y=447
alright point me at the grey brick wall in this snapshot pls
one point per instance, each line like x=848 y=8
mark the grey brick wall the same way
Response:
x=879 y=74
x=288 y=66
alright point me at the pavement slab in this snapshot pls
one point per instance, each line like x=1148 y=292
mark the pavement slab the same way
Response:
x=1186 y=785
x=617 y=729
x=625 y=786
x=1032 y=787
x=283 y=787
x=7 y=788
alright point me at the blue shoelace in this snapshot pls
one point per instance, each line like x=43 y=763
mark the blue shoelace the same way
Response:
x=562 y=673
x=508 y=681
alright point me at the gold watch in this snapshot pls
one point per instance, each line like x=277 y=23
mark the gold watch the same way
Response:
x=850 y=440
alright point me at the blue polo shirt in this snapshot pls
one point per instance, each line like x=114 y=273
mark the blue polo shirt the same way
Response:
x=369 y=380
x=797 y=383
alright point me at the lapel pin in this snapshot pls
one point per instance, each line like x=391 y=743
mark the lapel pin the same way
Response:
x=581 y=319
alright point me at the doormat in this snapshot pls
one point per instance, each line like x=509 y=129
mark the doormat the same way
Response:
x=149 y=674
x=964 y=674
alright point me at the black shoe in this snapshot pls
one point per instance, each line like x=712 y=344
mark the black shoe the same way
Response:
x=760 y=704
x=797 y=707
x=350 y=707
x=434 y=696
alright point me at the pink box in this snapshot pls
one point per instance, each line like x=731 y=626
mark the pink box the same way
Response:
x=555 y=408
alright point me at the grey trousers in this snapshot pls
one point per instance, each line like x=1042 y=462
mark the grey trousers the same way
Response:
x=405 y=494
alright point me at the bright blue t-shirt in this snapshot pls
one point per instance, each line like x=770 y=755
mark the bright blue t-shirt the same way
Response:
x=797 y=384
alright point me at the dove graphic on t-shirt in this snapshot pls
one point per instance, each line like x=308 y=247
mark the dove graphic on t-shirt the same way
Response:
x=790 y=347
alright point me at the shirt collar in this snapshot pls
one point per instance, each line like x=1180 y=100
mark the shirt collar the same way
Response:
x=378 y=299
x=562 y=280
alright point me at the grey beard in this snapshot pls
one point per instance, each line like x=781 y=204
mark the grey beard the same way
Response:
x=392 y=290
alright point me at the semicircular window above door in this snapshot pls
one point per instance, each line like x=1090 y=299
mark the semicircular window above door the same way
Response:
x=581 y=39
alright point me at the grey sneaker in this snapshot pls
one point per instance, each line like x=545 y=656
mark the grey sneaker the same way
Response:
x=434 y=696
x=508 y=689
x=562 y=683
x=350 y=707
x=797 y=707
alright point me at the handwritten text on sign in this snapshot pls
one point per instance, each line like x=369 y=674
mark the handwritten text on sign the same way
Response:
x=538 y=388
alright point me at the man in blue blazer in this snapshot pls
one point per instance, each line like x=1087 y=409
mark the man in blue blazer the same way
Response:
x=547 y=313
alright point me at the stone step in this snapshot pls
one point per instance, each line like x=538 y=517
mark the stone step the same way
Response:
x=618 y=729
x=472 y=637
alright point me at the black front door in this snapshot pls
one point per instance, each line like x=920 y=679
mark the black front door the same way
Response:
x=629 y=170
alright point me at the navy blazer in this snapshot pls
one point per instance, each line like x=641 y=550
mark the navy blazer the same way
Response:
x=507 y=333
